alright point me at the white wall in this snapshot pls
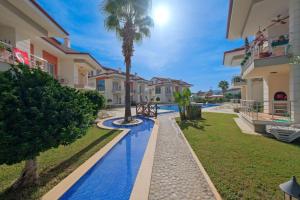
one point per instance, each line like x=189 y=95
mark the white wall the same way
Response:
x=8 y=35
x=278 y=29
x=67 y=71
x=257 y=90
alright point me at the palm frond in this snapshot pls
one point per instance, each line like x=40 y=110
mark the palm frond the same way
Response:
x=112 y=23
x=120 y=12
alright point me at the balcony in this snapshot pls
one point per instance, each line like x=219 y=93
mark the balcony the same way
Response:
x=238 y=82
x=84 y=87
x=266 y=52
x=11 y=55
x=116 y=89
x=37 y=62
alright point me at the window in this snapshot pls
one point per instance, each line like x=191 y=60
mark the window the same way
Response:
x=168 y=90
x=50 y=69
x=157 y=90
x=116 y=86
x=101 y=85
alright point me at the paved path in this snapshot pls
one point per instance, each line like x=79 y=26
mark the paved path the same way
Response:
x=175 y=175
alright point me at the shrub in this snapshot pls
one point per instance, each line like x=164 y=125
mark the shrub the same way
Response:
x=37 y=114
x=96 y=99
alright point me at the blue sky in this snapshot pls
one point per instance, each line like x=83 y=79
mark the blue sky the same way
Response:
x=189 y=47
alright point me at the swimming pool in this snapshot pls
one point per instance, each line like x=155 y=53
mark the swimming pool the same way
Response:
x=174 y=107
x=113 y=176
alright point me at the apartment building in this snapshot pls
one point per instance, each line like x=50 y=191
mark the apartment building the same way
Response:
x=270 y=71
x=162 y=89
x=28 y=35
x=111 y=83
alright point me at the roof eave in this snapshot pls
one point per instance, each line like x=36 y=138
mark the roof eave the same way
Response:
x=49 y=17
x=229 y=17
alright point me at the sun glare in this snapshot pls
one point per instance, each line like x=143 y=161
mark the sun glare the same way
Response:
x=161 y=15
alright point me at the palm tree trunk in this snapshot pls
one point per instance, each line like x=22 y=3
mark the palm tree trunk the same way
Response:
x=127 y=48
x=127 y=117
x=183 y=112
x=29 y=175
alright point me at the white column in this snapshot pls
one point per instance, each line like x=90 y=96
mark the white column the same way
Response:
x=243 y=93
x=249 y=90
x=294 y=12
x=266 y=98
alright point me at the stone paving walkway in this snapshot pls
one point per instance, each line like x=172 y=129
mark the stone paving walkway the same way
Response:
x=175 y=175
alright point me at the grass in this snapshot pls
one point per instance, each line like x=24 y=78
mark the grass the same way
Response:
x=241 y=166
x=55 y=164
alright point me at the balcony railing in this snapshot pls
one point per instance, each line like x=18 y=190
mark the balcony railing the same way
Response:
x=84 y=87
x=278 y=111
x=6 y=53
x=37 y=62
x=116 y=89
x=266 y=48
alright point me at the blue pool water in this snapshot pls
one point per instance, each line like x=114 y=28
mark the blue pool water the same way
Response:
x=113 y=176
x=174 y=107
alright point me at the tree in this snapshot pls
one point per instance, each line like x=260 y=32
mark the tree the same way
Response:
x=183 y=100
x=96 y=99
x=130 y=20
x=224 y=85
x=37 y=114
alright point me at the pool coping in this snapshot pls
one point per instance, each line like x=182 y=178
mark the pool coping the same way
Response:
x=63 y=186
x=196 y=159
x=142 y=182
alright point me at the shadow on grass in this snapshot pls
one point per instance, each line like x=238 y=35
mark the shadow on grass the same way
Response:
x=197 y=124
x=296 y=143
x=46 y=176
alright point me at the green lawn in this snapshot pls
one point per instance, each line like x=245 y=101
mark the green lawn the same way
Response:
x=241 y=166
x=55 y=164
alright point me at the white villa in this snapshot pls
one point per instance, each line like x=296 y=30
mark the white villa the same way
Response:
x=162 y=89
x=27 y=35
x=270 y=70
x=111 y=83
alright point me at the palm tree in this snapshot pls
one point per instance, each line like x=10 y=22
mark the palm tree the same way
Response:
x=130 y=20
x=183 y=100
x=224 y=85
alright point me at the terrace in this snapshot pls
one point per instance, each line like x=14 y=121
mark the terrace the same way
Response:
x=262 y=113
x=10 y=55
x=266 y=52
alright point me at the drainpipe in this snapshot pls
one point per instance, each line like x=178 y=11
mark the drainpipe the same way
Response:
x=294 y=31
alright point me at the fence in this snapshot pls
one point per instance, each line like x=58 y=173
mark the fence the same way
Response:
x=147 y=109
